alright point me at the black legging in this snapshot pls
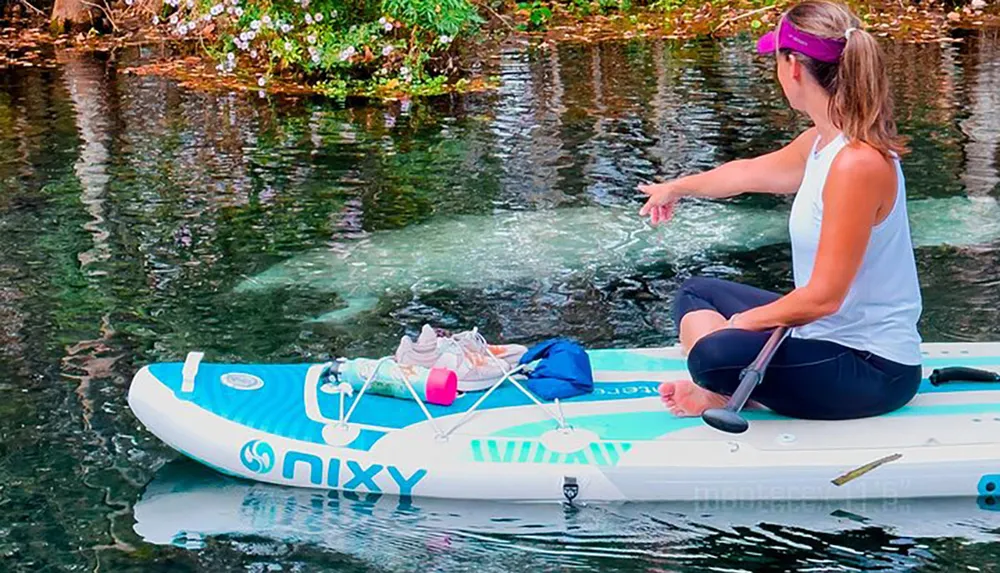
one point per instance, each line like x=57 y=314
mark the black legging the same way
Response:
x=813 y=379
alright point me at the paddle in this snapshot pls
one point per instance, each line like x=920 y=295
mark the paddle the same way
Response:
x=728 y=419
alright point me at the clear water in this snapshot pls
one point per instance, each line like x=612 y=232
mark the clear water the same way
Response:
x=140 y=220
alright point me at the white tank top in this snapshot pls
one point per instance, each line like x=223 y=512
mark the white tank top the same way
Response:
x=883 y=305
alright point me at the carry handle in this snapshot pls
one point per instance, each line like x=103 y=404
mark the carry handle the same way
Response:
x=962 y=374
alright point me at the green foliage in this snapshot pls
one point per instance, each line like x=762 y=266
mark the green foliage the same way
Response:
x=341 y=46
x=443 y=17
x=539 y=14
x=667 y=5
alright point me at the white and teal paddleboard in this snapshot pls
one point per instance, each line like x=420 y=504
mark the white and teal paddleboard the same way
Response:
x=280 y=424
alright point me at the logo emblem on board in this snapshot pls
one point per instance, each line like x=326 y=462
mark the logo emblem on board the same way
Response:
x=257 y=456
x=241 y=381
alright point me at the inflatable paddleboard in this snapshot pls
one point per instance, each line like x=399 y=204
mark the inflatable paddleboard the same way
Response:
x=286 y=424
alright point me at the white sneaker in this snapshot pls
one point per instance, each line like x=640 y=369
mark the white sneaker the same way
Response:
x=472 y=341
x=424 y=352
x=477 y=364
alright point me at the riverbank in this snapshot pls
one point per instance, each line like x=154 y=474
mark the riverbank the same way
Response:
x=196 y=59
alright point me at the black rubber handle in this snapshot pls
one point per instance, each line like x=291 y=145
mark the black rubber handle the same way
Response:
x=962 y=374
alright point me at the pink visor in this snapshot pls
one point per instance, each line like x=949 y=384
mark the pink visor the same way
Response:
x=788 y=36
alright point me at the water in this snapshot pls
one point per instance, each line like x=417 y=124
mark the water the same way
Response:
x=140 y=220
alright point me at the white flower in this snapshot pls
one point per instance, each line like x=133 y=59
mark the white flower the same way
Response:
x=128 y=2
x=333 y=13
x=318 y=17
x=289 y=46
x=253 y=54
x=217 y=9
x=251 y=35
x=311 y=38
x=305 y=3
x=156 y=20
x=262 y=81
x=404 y=70
x=286 y=28
x=190 y=3
x=182 y=29
x=173 y=19
x=255 y=25
x=205 y=18
x=231 y=11
x=385 y=23
x=230 y=56
x=260 y=93
x=266 y=20
x=315 y=58
x=445 y=39
x=243 y=36
x=386 y=50
x=309 y=19
x=238 y=11
x=346 y=53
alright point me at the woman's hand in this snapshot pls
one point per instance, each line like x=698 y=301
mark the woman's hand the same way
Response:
x=662 y=200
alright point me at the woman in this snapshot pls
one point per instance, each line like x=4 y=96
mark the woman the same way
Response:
x=854 y=350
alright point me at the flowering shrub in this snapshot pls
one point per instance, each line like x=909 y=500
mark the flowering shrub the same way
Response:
x=340 y=45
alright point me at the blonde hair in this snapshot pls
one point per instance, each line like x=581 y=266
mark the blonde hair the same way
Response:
x=861 y=104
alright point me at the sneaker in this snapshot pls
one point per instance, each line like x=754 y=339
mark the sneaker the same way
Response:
x=424 y=352
x=477 y=364
x=472 y=341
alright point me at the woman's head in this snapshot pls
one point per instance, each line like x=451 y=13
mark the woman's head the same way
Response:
x=825 y=41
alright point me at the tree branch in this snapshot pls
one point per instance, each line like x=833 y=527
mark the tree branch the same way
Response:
x=102 y=9
x=729 y=21
x=497 y=16
x=32 y=6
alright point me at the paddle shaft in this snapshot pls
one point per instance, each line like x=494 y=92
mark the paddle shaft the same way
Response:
x=753 y=374
x=728 y=419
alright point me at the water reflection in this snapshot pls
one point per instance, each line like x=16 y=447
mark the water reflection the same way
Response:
x=982 y=126
x=131 y=210
x=186 y=505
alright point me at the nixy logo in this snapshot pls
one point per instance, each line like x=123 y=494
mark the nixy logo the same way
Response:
x=257 y=456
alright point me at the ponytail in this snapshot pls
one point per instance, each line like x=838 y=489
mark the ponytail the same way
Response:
x=861 y=103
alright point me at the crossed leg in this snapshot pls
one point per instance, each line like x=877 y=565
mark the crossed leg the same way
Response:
x=684 y=397
x=702 y=307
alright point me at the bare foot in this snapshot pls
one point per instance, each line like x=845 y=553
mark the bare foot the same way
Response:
x=684 y=398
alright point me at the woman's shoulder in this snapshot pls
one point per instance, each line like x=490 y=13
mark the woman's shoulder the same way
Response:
x=859 y=160
x=862 y=175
